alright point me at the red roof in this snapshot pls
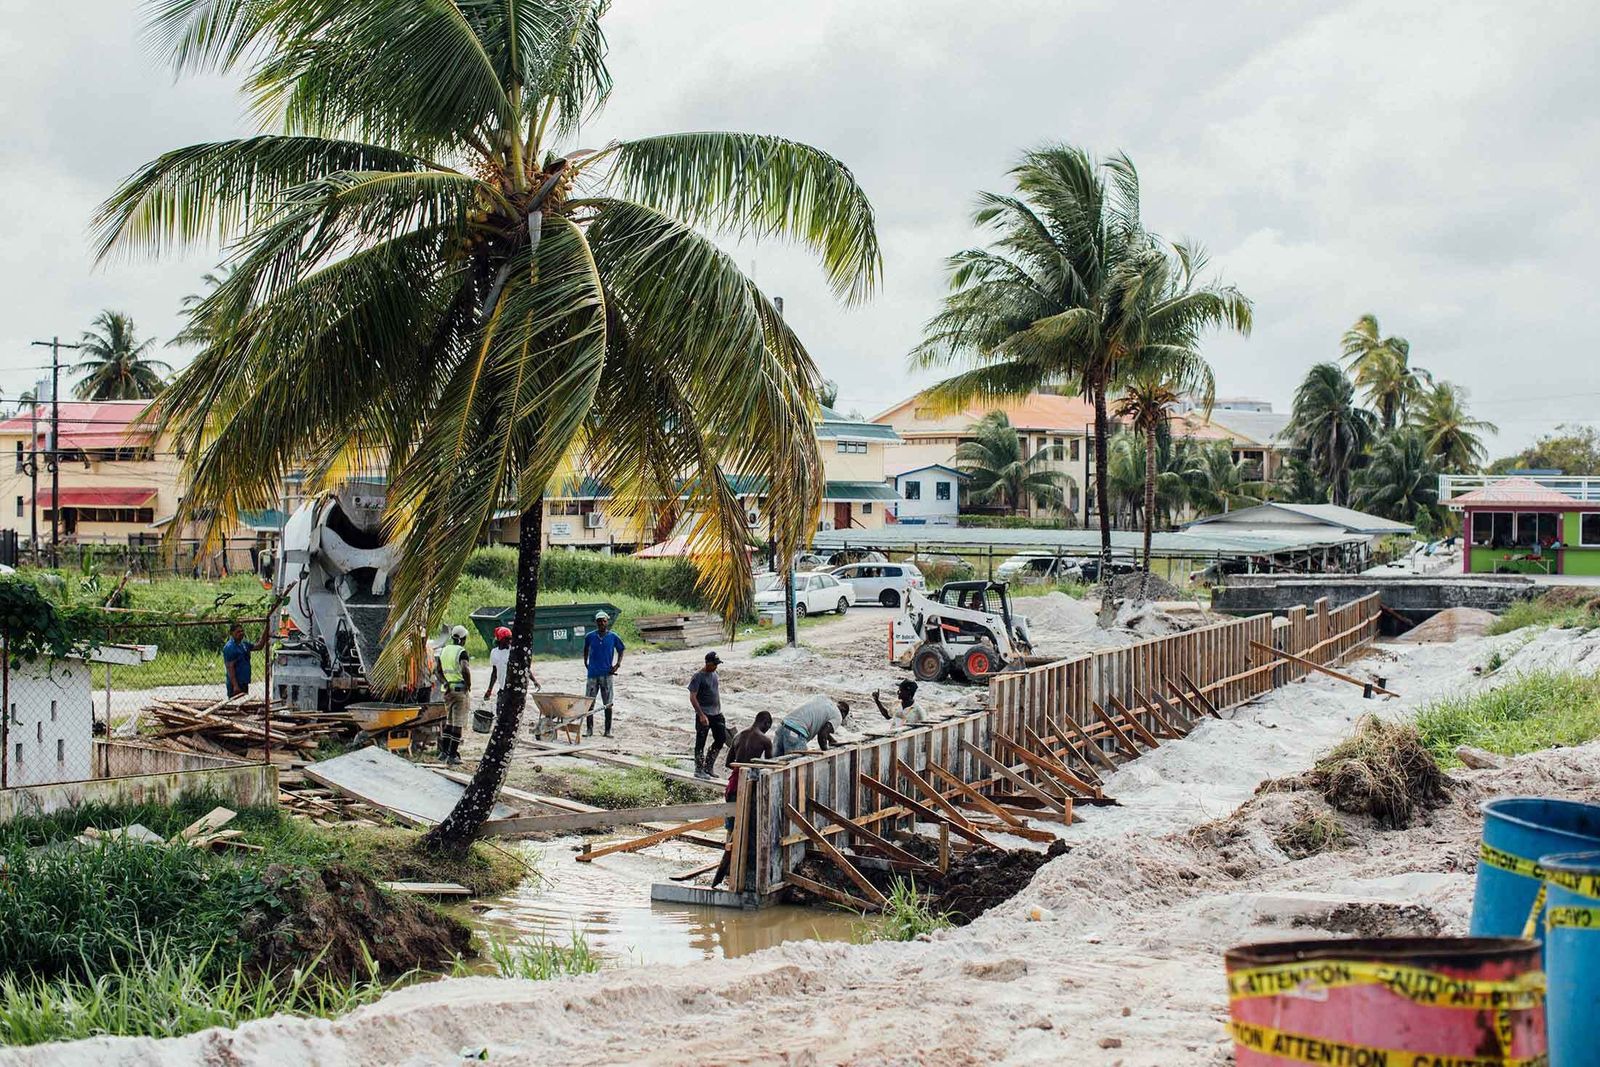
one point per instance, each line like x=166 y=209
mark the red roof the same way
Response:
x=1516 y=492
x=86 y=423
x=99 y=498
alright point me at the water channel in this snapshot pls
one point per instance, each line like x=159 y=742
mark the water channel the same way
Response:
x=608 y=903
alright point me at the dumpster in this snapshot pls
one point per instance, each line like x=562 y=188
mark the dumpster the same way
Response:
x=558 y=629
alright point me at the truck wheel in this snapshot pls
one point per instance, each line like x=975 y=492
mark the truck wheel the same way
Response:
x=889 y=598
x=980 y=661
x=844 y=605
x=929 y=664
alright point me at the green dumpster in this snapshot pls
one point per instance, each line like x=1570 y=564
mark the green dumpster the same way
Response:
x=558 y=629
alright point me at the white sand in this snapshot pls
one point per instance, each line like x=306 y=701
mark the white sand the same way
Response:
x=1124 y=968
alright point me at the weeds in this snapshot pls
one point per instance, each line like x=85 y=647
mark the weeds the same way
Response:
x=907 y=915
x=635 y=787
x=1565 y=609
x=1312 y=833
x=1534 y=711
x=767 y=648
x=542 y=960
x=1382 y=770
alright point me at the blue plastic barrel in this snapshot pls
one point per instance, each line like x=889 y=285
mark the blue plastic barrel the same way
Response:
x=1572 y=958
x=1516 y=832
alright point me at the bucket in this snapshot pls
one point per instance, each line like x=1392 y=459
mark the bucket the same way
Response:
x=482 y=720
x=1572 y=957
x=1387 y=1000
x=1516 y=832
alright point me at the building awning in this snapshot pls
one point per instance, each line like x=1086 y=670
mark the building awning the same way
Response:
x=108 y=497
x=858 y=492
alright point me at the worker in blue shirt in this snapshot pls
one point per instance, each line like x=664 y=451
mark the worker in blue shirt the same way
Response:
x=236 y=659
x=602 y=656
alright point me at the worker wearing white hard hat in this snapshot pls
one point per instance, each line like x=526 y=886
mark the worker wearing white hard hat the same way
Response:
x=455 y=680
x=602 y=656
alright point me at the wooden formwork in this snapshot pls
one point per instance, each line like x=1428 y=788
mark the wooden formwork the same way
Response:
x=1123 y=701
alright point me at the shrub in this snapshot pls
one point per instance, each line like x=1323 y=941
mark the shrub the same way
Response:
x=1567 y=609
x=498 y=563
x=907 y=915
x=1535 y=711
x=767 y=648
x=1382 y=770
x=673 y=581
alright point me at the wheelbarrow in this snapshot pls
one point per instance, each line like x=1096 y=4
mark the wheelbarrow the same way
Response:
x=561 y=713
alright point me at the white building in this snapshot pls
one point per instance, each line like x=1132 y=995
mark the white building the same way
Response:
x=929 y=495
x=48 y=735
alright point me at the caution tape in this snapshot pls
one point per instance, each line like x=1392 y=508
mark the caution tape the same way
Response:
x=1304 y=1049
x=1573 y=918
x=1585 y=885
x=1530 y=928
x=1416 y=984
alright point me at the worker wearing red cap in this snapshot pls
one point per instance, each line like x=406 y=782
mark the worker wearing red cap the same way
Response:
x=500 y=663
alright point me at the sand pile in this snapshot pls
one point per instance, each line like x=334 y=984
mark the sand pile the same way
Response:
x=1147 y=586
x=1147 y=620
x=1452 y=624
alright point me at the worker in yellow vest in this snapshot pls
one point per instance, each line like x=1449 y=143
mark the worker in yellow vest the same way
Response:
x=455 y=680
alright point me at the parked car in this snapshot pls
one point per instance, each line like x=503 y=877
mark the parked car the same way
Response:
x=856 y=555
x=1089 y=569
x=1031 y=567
x=814 y=593
x=886 y=583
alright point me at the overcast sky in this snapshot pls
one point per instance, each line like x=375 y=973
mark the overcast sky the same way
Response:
x=1429 y=163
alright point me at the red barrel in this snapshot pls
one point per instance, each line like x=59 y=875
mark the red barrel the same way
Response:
x=1388 y=1001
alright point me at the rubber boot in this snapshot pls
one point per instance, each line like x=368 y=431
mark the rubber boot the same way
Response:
x=608 y=722
x=588 y=729
x=453 y=757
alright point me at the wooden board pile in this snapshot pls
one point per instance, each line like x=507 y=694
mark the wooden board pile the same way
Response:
x=681 y=630
x=238 y=727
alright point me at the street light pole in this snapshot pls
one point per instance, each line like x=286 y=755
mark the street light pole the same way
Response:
x=791 y=633
x=53 y=455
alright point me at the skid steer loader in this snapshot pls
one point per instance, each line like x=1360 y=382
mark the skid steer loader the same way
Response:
x=966 y=630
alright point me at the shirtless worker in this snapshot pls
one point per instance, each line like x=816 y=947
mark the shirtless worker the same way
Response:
x=750 y=743
x=820 y=717
x=908 y=713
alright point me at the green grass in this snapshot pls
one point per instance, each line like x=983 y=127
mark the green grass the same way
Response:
x=1561 y=611
x=632 y=787
x=907 y=915
x=767 y=648
x=542 y=960
x=169 y=992
x=1535 y=711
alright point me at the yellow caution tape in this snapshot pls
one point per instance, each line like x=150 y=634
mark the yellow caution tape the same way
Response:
x=1585 y=885
x=1530 y=928
x=1510 y=861
x=1413 y=983
x=1316 y=1050
x=1573 y=918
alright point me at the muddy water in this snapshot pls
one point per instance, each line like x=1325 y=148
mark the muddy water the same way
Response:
x=608 y=902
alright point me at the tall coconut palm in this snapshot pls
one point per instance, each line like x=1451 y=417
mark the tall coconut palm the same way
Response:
x=1147 y=402
x=1069 y=289
x=1383 y=371
x=428 y=275
x=1218 y=482
x=1330 y=428
x=114 y=363
x=1454 y=438
x=999 y=473
x=1400 y=477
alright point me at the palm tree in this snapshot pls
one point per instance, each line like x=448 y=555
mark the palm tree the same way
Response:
x=1147 y=402
x=1219 y=483
x=999 y=471
x=1454 y=438
x=1400 y=477
x=1329 y=427
x=1297 y=483
x=1069 y=290
x=113 y=362
x=430 y=277
x=1382 y=368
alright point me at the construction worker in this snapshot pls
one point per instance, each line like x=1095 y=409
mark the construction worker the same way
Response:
x=500 y=662
x=748 y=744
x=602 y=658
x=455 y=681
x=705 y=697
x=236 y=657
x=908 y=713
x=820 y=717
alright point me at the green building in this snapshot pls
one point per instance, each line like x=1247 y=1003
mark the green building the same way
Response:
x=1517 y=526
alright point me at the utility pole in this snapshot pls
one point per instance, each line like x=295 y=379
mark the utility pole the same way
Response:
x=790 y=631
x=53 y=455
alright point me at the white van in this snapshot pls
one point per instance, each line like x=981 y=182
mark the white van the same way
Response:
x=886 y=583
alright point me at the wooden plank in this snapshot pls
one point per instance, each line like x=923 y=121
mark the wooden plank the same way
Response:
x=927 y=814
x=618 y=760
x=1053 y=814
x=1172 y=713
x=1090 y=744
x=955 y=813
x=827 y=892
x=973 y=796
x=1133 y=720
x=637 y=843
x=689 y=876
x=1062 y=771
x=1168 y=727
x=1197 y=711
x=1200 y=695
x=1116 y=731
x=1012 y=776
x=873 y=838
x=1329 y=671
x=428 y=889
x=209 y=823
x=838 y=858
x=1050 y=769
x=590 y=820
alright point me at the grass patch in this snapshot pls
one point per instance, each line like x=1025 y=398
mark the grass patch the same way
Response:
x=767 y=648
x=167 y=993
x=632 y=787
x=907 y=915
x=1540 y=710
x=1566 y=608
x=1383 y=770
x=1312 y=833
x=542 y=960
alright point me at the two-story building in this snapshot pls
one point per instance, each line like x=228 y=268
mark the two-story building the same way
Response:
x=1259 y=435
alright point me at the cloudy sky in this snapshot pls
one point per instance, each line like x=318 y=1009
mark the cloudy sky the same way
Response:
x=1428 y=162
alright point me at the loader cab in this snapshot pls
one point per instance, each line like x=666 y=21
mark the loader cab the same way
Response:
x=991 y=598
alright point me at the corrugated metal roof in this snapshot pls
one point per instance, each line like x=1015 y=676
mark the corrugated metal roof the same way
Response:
x=1260 y=427
x=858 y=491
x=855 y=431
x=1348 y=519
x=1194 y=543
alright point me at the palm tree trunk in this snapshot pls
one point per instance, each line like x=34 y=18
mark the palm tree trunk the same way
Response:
x=1149 y=502
x=1101 y=494
x=461 y=826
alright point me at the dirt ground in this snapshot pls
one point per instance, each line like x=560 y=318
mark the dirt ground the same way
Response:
x=1111 y=955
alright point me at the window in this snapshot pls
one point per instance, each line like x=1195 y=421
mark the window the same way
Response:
x=941 y=490
x=1523 y=529
x=1482 y=527
x=1060 y=451
x=855 y=448
x=20 y=505
x=1527 y=528
x=912 y=491
x=1072 y=498
x=866 y=508
x=1077 y=454
x=890 y=572
x=1589 y=529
